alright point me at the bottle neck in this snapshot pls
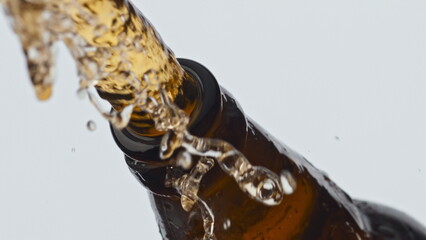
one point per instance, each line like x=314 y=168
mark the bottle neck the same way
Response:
x=188 y=99
x=201 y=100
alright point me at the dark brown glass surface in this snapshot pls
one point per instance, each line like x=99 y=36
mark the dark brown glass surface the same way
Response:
x=318 y=209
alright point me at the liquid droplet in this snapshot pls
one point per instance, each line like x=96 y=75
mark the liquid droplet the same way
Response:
x=226 y=224
x=91 y=125
x=43 y=92
x=288 y=182
x=266 y=189
x=184 y=160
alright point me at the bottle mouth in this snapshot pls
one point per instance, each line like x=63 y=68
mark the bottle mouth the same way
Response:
x=210 y=96
x=146 y=148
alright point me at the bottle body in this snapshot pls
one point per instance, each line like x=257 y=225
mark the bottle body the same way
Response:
x=317 y=209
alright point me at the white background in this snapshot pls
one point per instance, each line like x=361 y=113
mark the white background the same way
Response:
x=342 y=82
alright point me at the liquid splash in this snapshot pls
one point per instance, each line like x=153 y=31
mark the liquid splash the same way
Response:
x=188 y=185
x=119 y=54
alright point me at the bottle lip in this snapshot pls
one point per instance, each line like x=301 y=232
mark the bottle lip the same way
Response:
x=146 y=149
x=210 y=92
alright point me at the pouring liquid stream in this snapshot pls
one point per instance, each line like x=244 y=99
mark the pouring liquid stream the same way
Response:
x=121 y=57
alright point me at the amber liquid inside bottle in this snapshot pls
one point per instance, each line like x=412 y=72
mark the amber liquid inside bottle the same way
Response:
x=318 y=209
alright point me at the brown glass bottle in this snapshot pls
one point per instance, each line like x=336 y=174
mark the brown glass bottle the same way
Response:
x=318 y=209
